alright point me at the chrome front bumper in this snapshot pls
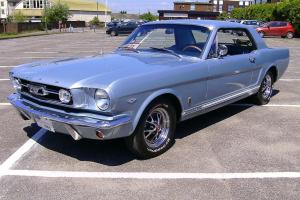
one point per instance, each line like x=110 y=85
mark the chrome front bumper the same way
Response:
x=78 y=125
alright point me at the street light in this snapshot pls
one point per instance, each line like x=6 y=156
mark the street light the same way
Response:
x=105 y=23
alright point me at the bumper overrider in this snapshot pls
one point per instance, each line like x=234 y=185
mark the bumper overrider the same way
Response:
x=77 y=124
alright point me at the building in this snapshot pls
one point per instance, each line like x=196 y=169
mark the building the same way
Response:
x=81 y=10
x=204 y=9
x=7 y=7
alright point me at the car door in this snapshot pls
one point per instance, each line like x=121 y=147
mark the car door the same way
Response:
x=282 y=28
x=274 y=29
x=231 y=75
x=130 y=27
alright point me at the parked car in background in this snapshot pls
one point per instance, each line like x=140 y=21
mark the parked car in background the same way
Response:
x=113 y=23
x=253 y=23
x=122 y=28
x=233 y=20
x=165 y=72
x=277 y=28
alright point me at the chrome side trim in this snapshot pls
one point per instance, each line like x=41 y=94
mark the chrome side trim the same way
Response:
x=218 y=101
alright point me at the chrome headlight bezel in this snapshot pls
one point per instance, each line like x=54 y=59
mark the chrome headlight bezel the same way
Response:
x=102 y=99
x=64 y=96
x=16 y=84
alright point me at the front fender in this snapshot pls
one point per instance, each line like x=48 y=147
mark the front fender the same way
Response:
x=149 y=99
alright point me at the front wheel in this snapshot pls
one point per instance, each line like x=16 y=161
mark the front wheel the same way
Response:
x=155 y=131
x=264 y=94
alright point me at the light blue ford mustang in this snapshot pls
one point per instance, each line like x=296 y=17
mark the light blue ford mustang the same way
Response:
x=164 y=73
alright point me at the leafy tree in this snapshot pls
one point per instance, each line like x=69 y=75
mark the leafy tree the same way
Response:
x=223 y=16
x=57 y=12
x=148 y=17
x=95 y=21
x=17 y=17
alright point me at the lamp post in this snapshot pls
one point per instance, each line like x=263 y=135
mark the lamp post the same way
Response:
x=105 y=23
x=45 y=10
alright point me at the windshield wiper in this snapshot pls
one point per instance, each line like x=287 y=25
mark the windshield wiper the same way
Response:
x=166 y=50
x=125 y=47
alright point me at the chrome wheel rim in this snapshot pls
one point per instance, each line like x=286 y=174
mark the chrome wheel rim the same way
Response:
x=289 y=35
x=261 y=34
x=157 y=127
x=267 y=88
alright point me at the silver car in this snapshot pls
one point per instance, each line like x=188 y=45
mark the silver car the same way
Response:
x=164 y=73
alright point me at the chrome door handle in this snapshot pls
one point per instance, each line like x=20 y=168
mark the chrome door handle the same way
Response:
x=252 y=60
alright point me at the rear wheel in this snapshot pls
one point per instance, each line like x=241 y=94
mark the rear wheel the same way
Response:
x=290 y=35
x=262 y=34
x=155 y=132
x=113 y=33
x=264 y=94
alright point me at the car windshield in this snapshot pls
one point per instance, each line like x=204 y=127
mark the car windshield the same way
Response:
x=177 y=40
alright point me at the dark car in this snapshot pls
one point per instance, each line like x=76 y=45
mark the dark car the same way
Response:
x=277 y=28
x=113 y=24
x=122 y=28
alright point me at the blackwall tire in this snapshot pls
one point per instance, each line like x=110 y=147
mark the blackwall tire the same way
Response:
x=263 y=96
x=155 y=131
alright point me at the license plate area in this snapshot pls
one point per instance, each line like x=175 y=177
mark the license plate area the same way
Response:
x=45 y=123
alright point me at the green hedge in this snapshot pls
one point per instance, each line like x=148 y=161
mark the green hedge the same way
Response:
x=287 y=10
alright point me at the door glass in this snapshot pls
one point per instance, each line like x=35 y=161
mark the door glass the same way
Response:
x=237 y=42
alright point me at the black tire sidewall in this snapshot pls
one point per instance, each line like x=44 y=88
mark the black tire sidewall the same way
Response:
x=259 y=96
x=137 y=143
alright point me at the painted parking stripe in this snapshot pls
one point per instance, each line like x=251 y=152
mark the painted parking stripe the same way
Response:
x=5 y=104
x=6 y=66
x=268 y=105
x=4 y=79
x=22 y=150
x=147 y=175
x=289 y=79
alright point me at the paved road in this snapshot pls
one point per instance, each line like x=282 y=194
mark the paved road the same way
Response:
x=234 y=139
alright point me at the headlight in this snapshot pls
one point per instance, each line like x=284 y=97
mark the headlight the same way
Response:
x=102 y=99
x=16 y=84
x=64 y=96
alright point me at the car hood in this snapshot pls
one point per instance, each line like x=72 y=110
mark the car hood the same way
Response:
x=97 y=71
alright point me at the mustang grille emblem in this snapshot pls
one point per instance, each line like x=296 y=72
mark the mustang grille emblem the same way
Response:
x=38 y=90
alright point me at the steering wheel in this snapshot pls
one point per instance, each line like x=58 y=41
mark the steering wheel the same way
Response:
x=192 y=47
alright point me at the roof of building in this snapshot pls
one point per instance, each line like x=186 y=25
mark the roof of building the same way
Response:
x=84 y=5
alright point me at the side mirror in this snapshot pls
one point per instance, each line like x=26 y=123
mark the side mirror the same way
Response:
x=222 y=51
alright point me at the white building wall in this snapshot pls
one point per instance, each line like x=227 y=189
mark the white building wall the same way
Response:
x=4 y=9
x=88 y=16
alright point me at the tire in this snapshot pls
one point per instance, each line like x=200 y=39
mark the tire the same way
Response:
x=113 y=33
x=264 y=94
x=151 y=139
x=290 y=35
x=262 y=34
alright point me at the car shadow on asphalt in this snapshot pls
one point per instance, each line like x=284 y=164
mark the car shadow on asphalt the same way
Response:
x=114 y=152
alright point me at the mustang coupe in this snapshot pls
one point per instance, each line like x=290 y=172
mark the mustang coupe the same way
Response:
x=164 y=73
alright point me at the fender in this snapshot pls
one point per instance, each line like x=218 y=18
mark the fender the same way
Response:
x=149 y=99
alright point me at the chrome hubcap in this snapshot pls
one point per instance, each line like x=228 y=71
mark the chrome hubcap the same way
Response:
x=289 y=35
x=157 y=127
x=267 y=87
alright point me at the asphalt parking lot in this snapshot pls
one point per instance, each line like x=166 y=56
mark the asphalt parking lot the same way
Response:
x=237 y=152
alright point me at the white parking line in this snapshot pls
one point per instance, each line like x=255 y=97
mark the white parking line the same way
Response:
x=21 y=151
x=149 y=175
x=289 y=79
x=4 y=79
x=5 y=104
x=6 y=66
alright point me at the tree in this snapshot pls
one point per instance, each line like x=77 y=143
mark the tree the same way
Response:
x=57 y=12
x=95 y=21
x=223 y=16
x=17 y=17
x=148 y=17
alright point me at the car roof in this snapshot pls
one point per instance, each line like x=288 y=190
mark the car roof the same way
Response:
x=206 y=23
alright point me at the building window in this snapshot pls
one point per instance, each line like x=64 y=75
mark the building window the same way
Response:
x=34 y=4
x=230 y=8
x=241 y=3
x=220 y=7
x=246 y=3
x=2 y=4
x=2 y=11
x=215 y=8
x=193 y=7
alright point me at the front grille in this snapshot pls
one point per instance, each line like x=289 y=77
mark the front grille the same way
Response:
x=48 y=94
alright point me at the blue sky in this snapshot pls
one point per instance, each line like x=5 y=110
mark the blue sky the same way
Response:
x=136 y=6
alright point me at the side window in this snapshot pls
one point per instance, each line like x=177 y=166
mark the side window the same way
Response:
x=283 y=24
x=237 y=42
